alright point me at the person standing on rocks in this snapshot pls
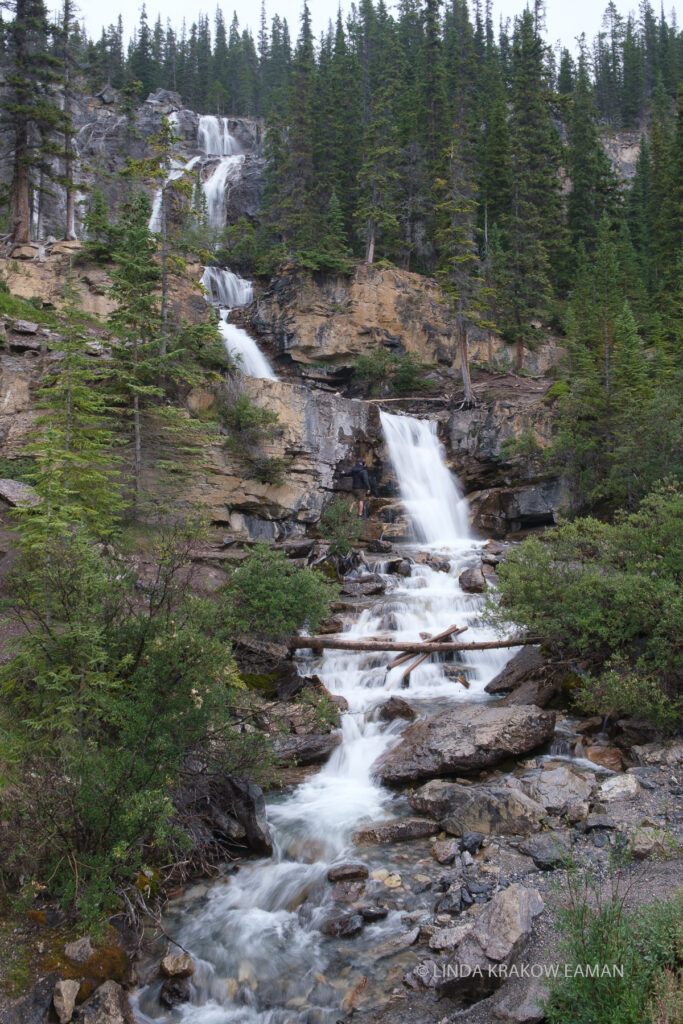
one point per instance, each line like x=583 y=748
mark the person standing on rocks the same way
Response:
x=360 y=485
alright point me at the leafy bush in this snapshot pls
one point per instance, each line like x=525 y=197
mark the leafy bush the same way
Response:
x=340 y=526
x=248 y=424
x=268 y=595
x=610 y=597
x=647 y=945
x=524 y=445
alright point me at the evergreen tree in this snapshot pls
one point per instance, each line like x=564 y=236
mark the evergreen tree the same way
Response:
x=377 y=178
x=30 y=109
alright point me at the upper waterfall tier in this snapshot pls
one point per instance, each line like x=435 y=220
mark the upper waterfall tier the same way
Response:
x=428 y=489
x=227 y=289
x=213 y=137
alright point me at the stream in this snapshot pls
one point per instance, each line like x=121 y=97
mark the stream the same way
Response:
x=254 y=934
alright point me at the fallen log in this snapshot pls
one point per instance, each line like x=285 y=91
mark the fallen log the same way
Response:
x=426 y=638
x=320 y=643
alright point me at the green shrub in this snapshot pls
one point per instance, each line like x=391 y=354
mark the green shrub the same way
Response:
x=524 y=445
x=646 y=945
x=248 y=424
x=610 y=597
x=107 y=691
x=340 y=526
x=269 y=596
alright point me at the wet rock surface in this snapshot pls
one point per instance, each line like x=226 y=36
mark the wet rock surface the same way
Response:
x=464 y=742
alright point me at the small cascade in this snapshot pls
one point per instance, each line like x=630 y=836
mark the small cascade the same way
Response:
x=428 y=490
x=178 y=169
x=227 y=291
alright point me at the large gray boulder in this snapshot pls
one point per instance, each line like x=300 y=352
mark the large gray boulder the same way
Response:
x=559 y=788
x=493 y=810
x=107 y=1005
x=464 y=741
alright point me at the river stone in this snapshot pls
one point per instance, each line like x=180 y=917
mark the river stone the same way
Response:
x=646 y=842
x=464 y=741
x=490 y=810
x=524 y=664
x=472 y=581
x=175 y=991
x=373 y=912
x=64 y=999
x=397 y=831
x=497 y=938
x=396 y=708
x=396 y=945
x=444 y=851
x=177 y=965
x=620 y=787
x=303 y=750
x=79 y=951
x=347 y=892
x=606 y=757
x=342 y=926
x=347 y=872
x=558 y=788
x=449 y=938
x=107 y=1005
x=549 y=851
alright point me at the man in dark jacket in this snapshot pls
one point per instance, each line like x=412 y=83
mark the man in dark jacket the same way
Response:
x=360 y=484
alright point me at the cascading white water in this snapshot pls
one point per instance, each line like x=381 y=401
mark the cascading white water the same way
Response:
x=177 y=171
x=228 y=291
x=227 y=169
x=428 y=490
x=255 y=936
x=214 y=138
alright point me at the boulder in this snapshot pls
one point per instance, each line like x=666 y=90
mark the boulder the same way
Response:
x=349 y=871
x=107 y=1005
x=249 y=807
x=175 y=991
x=342 y=926
x=395 y=707
x=525 y=663
x=470 y=842
x=18 y=494
x=606 y=757
x=647 y=842
x=302 y=750
x=444 y=851
x=522 y=1004
x=397 y=831
x=491 y=810
x=464 y=741
x=479 y=963
x=64 y=999
x=177 y=965
x=79 y=951
x=549 y=851
x=24 y=327
x=558 y=788
x=472 y=581
x=620 y=787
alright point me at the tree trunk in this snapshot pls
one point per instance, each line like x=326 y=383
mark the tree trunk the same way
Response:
x=21 y=211
x=417 y=647
x=370 y=248
x=465 y=364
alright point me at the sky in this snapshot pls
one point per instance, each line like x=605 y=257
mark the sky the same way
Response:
x=565 y=19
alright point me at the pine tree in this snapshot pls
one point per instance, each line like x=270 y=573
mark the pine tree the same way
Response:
x=459 y=271
x=34 y=117
x=377 y=177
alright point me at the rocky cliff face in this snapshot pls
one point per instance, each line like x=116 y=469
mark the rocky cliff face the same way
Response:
x=331 y=320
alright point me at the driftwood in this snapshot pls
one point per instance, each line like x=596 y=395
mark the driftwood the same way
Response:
x=426 y=637
x=320 y=643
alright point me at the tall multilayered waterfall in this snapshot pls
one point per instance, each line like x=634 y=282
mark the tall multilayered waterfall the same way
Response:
x=227 y=291
x=255 y=936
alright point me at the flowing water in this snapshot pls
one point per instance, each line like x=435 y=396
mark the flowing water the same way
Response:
x=255 y=935
x=227 y=291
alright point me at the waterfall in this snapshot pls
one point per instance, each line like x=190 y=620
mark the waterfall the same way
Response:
x=177 y=171
x=255 y=934
x=228 y=291
x=428 y=490
x=213 y=137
